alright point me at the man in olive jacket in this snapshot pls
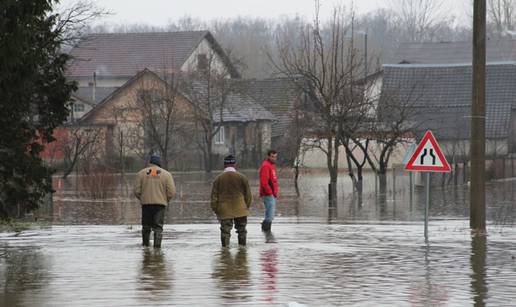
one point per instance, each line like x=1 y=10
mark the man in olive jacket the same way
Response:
x=230 y=200
x=154 y=187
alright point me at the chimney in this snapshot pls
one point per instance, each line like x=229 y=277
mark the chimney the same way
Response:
x=94 y=87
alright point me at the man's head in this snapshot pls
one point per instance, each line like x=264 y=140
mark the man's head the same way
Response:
x=155 y=159
x=272 y=155
x=229 y=161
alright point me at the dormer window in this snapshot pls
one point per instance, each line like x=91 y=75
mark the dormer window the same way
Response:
x=78 y=107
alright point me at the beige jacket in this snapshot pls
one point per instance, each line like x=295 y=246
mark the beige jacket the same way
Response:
x=154 y=186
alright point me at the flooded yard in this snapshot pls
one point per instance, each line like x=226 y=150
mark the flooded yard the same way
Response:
x=369 y=253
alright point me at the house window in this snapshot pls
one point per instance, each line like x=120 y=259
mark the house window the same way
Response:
x=202 y=61
x=78 y=107
x=149 y=96
x=220 y=136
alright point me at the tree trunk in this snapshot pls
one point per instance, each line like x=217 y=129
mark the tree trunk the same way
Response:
x=360 y=180
x=208 y=159
x=332 y=189
x=333 y=167
x=296 y=178
x=382 y=177
x=70 y=168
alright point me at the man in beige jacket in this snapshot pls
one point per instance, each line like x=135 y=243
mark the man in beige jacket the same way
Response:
x=154 y=187
x=230 y=200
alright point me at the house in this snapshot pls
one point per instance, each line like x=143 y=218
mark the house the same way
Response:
x=125 y=115
x=103 y=62
x=282 y=97
x=115 y=70
x=439 y=96
x=111 y=59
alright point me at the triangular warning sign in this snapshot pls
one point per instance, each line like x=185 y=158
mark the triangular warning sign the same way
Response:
x=428 y=157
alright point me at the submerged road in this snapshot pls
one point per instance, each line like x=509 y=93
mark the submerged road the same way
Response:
x=312 y=264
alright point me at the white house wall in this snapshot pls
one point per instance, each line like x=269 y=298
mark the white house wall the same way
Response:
x=315 y=158
x=203 y=48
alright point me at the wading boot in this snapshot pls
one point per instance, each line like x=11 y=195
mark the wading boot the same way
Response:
x=225 y=241
x=145 y=237
x=157 y=239
x=266 y=226
x=242 y=240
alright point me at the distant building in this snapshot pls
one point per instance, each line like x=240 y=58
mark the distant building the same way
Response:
x=440 y=96
x=245 y=128
x=103 y=62
x=110 y=59
x=497 y=50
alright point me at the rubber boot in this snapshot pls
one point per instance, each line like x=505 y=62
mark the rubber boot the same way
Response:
x=242 y=240
x=145 y=237
x=157 y=239
x=224 y=240
x=266 y=226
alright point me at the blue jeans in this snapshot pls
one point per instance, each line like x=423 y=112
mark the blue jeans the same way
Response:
x=270 y=207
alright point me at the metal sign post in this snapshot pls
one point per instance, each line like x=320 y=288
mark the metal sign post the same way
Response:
x=427 y=205
x=427 y=157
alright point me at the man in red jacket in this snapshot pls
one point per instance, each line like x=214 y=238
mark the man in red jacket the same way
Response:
x=269 y=188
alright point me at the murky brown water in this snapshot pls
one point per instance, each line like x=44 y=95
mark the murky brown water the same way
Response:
x=310 y=265
x=360 y=254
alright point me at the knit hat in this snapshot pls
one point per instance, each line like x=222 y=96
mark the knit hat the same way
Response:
x=229 y=160
x=155 y=159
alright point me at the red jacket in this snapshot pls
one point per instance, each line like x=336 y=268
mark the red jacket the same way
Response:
x=268 y=179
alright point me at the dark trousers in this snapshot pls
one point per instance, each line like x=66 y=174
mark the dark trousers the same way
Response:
x=225 y=230
x=153 y=217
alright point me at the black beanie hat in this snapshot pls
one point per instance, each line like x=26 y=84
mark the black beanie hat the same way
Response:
x=229 y=160
x=155 y=159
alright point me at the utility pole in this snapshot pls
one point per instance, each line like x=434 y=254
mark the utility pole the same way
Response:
x=477 y=219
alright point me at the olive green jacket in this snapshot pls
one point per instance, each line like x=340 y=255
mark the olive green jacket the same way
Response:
x=154 y=186
x=231 y=196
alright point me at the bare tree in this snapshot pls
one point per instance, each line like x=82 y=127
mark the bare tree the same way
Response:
x=501 y=14
x=208 y=87
x=74 y=20
x=419 y=20
x=77 y=143
x=392 y=125
x=158 y=101
x=320 y=62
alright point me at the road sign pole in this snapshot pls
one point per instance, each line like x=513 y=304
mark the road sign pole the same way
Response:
x=427 y=157
x=427 y=205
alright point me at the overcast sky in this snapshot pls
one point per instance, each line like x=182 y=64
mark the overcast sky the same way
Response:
x=160 y=12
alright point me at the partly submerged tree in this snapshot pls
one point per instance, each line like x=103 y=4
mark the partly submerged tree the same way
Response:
x=33 y=101
x=319 y=60
x=208 y=86
x=34 y=94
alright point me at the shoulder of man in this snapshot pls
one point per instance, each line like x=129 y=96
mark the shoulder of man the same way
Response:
x=244 y=177
x=265 y=164
x=165 y=172
x=142 y=171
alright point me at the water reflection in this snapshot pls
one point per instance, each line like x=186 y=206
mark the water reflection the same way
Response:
x=398 y=200
x=155 y=275
x=232 y=275
x=23 y=273
x=478 y=268
x=430 y=292
x=269 y=280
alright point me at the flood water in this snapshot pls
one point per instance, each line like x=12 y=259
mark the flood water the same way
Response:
x=362 y=253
